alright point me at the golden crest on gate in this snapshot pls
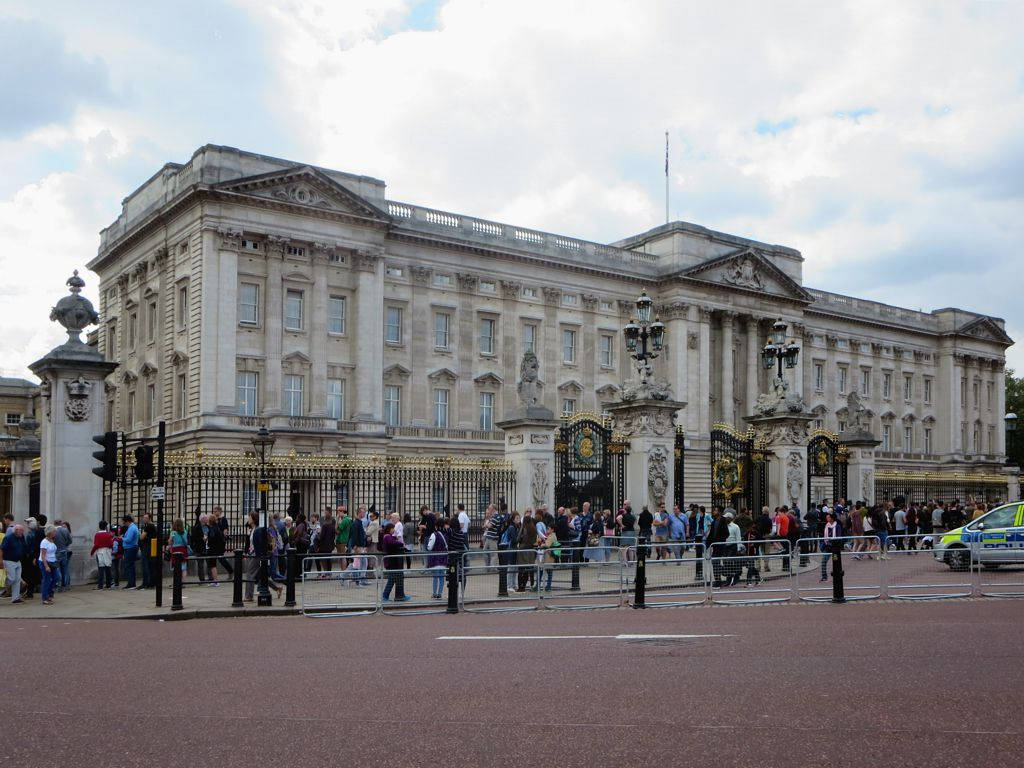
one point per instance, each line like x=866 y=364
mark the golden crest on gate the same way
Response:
x=727 y=476
x=822 y=459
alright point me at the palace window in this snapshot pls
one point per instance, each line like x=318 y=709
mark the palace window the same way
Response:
x=151 y=319
x=607 y=350
x=975 y=387
x=151 y=403
x=908 y=439
x=568 y=346
x=182 y=396
x=392 y=405
x=245 y=387
x=927 y=440
x=336 y=398
x=393 y=271
x=886 y=385
x=486 y=336
x=131 y=409
x=336 y=314
x=487 y=286
x=441 y=408
x=991 y=439
x=842 y=379
x=442 y=321
x=819 y=377
x=529 y=293
x=886 y=437
x=393 y=325
x=292 y=395
x=133 y=323
x=295 y=250
x=293 y=309
x=908 y=388
x=568 y=407
x=486 y=410
x=249 y=304
x=927 y=390
x=569 y=299
x=963 y=392
x=443 y=281
x=529 y=338
x=988 y=394
x=865 y=381
x=12 y=419
x=183 y=306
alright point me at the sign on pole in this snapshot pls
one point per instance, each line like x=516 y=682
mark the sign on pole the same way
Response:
x=157 y=493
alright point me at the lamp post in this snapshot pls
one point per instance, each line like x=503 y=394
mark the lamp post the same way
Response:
x=778 y=352
x=1012 y=439
x=263 y=441
x=644 y=339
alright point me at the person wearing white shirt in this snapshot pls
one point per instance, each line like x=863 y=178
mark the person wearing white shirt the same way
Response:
x=733 y=541
x=463 y=521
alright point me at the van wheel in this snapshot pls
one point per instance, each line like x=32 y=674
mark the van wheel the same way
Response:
x=958 y=560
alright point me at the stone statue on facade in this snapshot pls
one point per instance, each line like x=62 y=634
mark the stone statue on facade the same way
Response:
x=744 y=274
x=779 y=400
x=654 y=388
x=795 y=471
x=657 y=474
x=529 y=383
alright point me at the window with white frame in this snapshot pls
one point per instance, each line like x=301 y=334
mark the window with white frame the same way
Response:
x=392 y=405
x=442 y=324
x=441 y=407
x=568 y=406
x=336 y=314
x=865 y=381
x=487 y=286
x=568 y=345
x=927 y=390
x=886 y=437
x=927 y=437
x=12 y=419
x=393 y=325
x=151 y=403
x=975 y=437
x=991 y=439
x=487 y=336
x=607 y=350
x=607 y=306
x=988 y=394
x=182 y=396
x=111 y=340
x=963 y=392
x=819 y=377
x=246 y=392
x=291 y=395
x=486 y=410
x=842 y=379
x=133 y=325
x=151 y=321
x=529 y=293
x=393 y=271
x=249 y=304
x=296 y=250
x=336 y=398
x=963 y=436
x=886 y=385
x=570 y=299
x=443 y=281
x=529 y=338
x=908 y=387
x=182 y=306
x=975 y=387
x=908 y=439
x=250 y=245
x=819 y=423
x=842 y=426
x=131 y=409
x=294 y=309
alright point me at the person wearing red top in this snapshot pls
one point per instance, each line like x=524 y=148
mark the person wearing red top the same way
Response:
x=102 y=543
x=780 y=530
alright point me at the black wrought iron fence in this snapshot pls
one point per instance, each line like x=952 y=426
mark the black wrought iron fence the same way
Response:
x=921 y=487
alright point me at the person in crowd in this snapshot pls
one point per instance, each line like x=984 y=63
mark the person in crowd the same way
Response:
x=357 y=546
x=754 y=550
x=714 y=542
x=608 y=537
x=177 y=545
x=374 y=534
x=437 y=561
x=733 y=541
x=880 y=524
x=408 y=537
x=899 y=525
x=856 y=529
x=102 y=543
x=260 y=544
x=868 y=519
x=645 y=528
x=215 y=546
x=14 y=547
x=31 y=573
x=678 y=532
x=343 y=533
x=979 y=510
x=394 y=562
x=130 y=544
x=659 y=533
x=780 y=532
x=626 y=523
x=508 y=542
x=48 y=564
x=150 y=563
x=549 y=554
x=763 y=527
x=62 y=538
x=794 y=533
x=912 y=526
x=493 y=525
x=526 y=557
x=221 y=521
x=197 y=538
x=298 y=536
x=276 y=543
x=745 y=521
x=463 y=521
x=327 y=541
x=831 y=538
x=938 y=522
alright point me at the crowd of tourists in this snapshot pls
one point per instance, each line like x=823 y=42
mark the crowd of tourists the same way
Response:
x=37 y=554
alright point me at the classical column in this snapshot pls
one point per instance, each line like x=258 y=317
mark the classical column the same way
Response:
x=728 y=374
x=551 y=352
x=704 y=371
x=273 y=328
x=462 y=412
x=1000 y=423
x=675 y=313
x=589 y=362
x=220 y=321
x=318 y=335
x=511 y=352
x=753 y=363
x=417 y=395
x=370 y=335
x=797 y=331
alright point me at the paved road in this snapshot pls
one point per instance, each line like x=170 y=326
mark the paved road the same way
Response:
x=914 y=684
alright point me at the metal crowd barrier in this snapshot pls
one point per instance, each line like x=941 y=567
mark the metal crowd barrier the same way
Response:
x=999 y=579
x=337 y=585
x=673 y=582
x=863 y=573
x=419 y=583
x=912 y=573
x=495 y=588
x=768 y=565
x=569 y=583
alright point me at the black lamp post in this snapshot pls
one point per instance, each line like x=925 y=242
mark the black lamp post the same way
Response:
x=1013 y=452
x=263 y=441
x=644 y=339
x=777 y=351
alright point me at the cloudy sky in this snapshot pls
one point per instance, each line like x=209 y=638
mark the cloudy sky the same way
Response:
x=884 y=140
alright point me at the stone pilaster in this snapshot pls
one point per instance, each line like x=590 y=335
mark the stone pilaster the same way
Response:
x=530 y=447
x=860 y=465
x=273 y=330
x=753 y=363
x=728 y=374
x=649 y=426
x=369 y=319
x=784 y=440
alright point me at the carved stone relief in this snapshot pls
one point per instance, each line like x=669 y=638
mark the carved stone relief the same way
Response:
x=539 y=482
x=795 y=471
x=657 y=474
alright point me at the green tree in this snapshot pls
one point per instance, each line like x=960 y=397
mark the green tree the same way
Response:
x=1014 y=394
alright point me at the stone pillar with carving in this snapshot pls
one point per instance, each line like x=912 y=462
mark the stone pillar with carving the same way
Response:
x=73 y=412
x=649 y=424
x=860 y=446
x=21 y=453
x=728 y=374
x=783 y=437
x=530 y=440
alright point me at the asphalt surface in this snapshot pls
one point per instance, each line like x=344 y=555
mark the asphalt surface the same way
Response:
x=911 y=684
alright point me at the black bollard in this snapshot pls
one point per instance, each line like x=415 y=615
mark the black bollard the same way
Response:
x=502 y=574
x=577 y=558
x=453 y=584
x=236 y=579
x=838 y=595
x=263 y=598
x=289 y=584
x=640 y=581
x=176 y=582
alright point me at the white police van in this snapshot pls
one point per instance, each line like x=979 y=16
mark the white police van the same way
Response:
x=996 y=538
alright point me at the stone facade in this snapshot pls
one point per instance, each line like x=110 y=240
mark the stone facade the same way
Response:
x=238 y=289
x=18 y=399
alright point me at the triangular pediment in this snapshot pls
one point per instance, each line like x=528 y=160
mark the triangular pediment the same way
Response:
x=985 y=328
x=608 y=390
x=178 y=358
x=396 y=371
x=570 y=386
x=307 y=187
x=443 y=374
x=748 y=270
x=296 y=357
x=488 y=378
x=147 y=369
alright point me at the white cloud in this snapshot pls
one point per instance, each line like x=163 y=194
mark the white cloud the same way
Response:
x=896 y=165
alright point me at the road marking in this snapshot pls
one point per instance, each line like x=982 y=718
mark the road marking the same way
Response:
x=577 y=637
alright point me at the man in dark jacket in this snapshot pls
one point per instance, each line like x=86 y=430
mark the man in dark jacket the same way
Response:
x=717 y=534
x=14 y=549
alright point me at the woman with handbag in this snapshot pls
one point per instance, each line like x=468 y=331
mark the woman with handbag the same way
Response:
x=177 y=544
x=526 y=557
x=549 y=553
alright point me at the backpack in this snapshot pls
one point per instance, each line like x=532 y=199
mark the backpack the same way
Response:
x=115 y=549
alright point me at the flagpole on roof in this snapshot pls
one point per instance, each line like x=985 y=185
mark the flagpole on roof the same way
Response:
x=666 y=177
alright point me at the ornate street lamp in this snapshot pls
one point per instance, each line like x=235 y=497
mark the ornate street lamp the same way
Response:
x=778 y=352
x=263 y=441
x=644 y=339
x=1014 y=455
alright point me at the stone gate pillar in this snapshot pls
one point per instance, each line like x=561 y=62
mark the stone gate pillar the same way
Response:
x=21 y=453
x=649 y=425
x=860 y=444
x=74 y=410
x=784 y=440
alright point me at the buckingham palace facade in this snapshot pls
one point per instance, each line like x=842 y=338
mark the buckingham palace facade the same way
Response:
x=238 y=290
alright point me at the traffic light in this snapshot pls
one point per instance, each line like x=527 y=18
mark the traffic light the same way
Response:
x=144 y=462
x=107 y=457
